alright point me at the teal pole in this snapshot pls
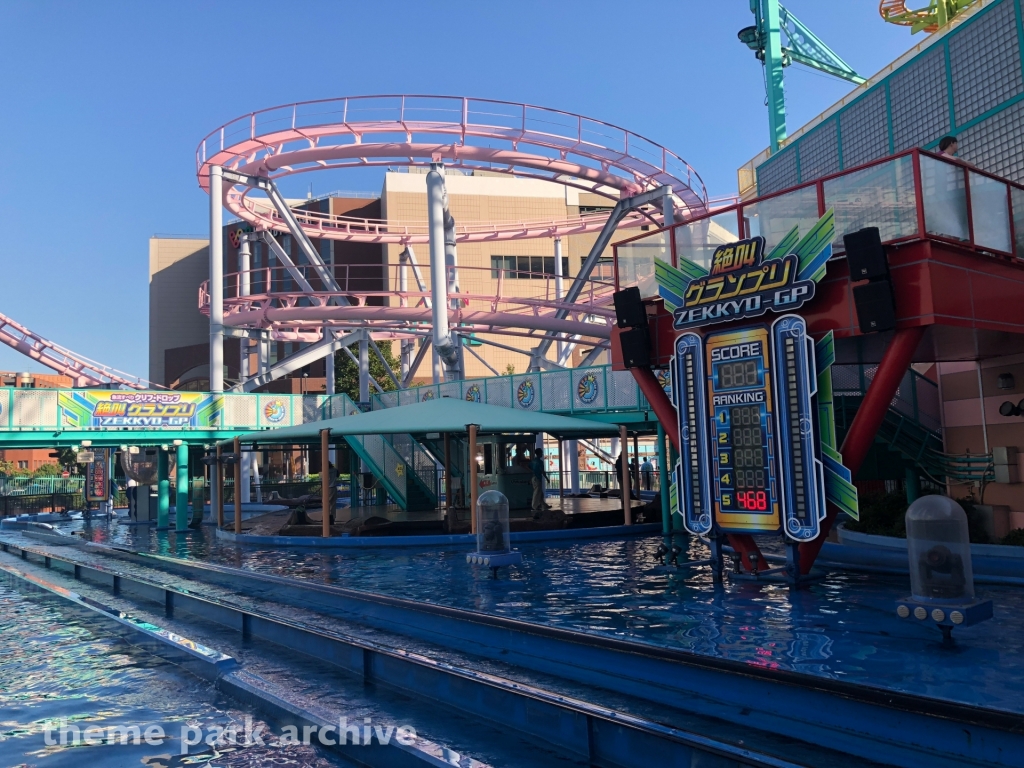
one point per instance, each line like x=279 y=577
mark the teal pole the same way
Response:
x=771 y=36
x=913 y=483
x=678 y=531
x=163 y=491
x=666 y=511
x=182 y=485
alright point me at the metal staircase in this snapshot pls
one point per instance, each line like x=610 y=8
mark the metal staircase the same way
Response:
x=911 y=430
x=405 y=469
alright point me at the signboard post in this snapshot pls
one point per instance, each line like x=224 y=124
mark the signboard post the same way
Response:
x=97 y=475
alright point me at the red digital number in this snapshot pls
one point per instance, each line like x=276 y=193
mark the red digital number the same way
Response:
x=753 y=500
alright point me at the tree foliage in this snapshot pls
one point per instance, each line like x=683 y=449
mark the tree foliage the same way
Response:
x=346 y=372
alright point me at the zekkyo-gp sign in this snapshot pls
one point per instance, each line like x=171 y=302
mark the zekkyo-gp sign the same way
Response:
x=741 y=285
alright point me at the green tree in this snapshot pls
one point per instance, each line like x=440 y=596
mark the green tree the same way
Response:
x=46 y=470
x=346 y=372
x=510 y=369
x=67 y=459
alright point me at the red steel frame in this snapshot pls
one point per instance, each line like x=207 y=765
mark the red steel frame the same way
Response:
x=899 y=352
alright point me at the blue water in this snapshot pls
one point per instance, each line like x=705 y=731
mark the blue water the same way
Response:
x=844 y=627
x=57 y=662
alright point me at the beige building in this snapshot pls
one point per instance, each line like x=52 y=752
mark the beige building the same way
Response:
x=179 y=333
x=483 y=198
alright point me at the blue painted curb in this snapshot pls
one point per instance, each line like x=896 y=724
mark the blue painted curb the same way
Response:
x=457 y=540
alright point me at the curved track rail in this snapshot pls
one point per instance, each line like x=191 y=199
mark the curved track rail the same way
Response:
x=485 y=305
x=521 y=140
x=464 y=133
x=83 y=371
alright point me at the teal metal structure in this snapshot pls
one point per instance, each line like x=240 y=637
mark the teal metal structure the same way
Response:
x=163 y=490
x=182 y=486
x=802 y=46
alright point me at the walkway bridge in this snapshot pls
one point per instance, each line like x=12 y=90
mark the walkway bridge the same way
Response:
x=406 y=467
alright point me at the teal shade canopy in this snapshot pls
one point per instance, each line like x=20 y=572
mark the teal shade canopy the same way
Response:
x=440 y=415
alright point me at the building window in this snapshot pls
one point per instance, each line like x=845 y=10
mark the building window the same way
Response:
x=526 y=267
x=22 y=465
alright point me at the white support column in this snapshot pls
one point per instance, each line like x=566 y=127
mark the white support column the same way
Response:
x=216 y=251
x=246 y=472
x=244 y=352
x=572 y=448
x=559 y=292
x=244 y=289
x=443 y=343
x=436 y=360
x=405 y=356
x=364 y=370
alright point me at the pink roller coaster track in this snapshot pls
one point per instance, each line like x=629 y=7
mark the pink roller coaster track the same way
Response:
x=463 y=133
x=473 y=134
x=83 y=371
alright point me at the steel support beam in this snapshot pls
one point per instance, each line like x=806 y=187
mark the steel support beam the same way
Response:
x=294 y=361
x=859 y=438
x=618 y=213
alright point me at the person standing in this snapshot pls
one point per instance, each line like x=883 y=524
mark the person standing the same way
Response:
x=537 y=467
x=647 y=472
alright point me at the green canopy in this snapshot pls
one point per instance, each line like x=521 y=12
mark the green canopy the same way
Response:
x=441 y=415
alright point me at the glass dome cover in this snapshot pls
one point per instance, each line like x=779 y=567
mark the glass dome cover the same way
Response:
x=492 y=522
x=939 y=548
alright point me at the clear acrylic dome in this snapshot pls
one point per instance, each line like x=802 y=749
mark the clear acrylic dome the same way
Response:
x=939 y=548
x=492 y=522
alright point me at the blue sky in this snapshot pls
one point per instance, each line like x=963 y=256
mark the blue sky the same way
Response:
x=102 y=105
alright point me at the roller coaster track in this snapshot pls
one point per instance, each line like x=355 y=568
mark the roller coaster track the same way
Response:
x=465 y=134
x=923 y=19
x=83 y=371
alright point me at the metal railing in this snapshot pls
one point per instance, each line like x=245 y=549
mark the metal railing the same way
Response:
x=574 y=390
x=910 y=196
x=39 y=486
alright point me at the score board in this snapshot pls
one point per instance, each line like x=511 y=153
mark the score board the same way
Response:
x=747 y=431
x=741 y=413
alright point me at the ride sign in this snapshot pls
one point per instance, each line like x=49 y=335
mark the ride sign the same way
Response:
x=742 y=285
x=119 y=409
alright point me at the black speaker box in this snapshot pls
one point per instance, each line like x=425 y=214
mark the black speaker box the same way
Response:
x=636 y=348
x=876 y=310
x=866 y=255
x=629 y=309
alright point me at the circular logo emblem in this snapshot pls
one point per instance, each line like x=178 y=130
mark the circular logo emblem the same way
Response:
x=235 y=237
x=526 y=393
x=274 y=411
x=473 y=394
x=664 y=380
x=587 y=390
x=428 y=395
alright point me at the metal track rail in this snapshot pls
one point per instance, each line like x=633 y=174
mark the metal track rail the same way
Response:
x=598 y=734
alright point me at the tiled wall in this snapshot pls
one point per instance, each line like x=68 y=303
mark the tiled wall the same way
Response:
x=969 y=84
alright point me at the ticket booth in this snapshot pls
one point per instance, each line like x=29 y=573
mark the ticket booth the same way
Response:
x=503 y=464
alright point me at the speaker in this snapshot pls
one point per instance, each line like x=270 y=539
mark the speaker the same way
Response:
x=866 y=255
x=636 y=348
x=876 y=310
x=629 y=309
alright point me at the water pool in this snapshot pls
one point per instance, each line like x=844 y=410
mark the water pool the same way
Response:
x=844 y=627
x=57 y=661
